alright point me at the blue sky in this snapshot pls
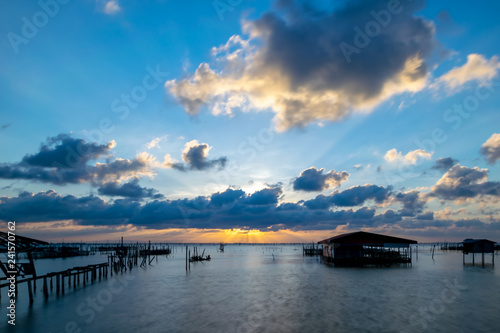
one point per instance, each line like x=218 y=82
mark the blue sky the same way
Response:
x=174 y=105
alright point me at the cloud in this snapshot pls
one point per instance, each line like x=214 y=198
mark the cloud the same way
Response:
x=227 y=197
x=477 y=68
x=312 y=179
x=425 y=216
x=195 y=156
x=235 y=209
x=50 y=206
x=461 y=182
x=132 y=190
x=353 y=196
x=444 y=163
x=63 y=151
x=292 y=64
x=491 y=148
x=155 y=142
x=4 y=126
x=229 y=209
x=267 y=196
x=65 y=160
x=110 y=7
x=411 y=158
x=412 y=201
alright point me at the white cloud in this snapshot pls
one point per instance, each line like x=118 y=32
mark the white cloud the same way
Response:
x=293 y=67
x=491 y=148
x=412 y=157
x=110 y=7
x=155 y=142
x=477 y=68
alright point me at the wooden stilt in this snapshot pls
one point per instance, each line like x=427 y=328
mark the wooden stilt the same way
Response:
x=30 y=292
x=45 y=289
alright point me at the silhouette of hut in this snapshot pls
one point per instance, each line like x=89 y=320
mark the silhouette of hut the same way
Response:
x=473 y=246
x=366 y=248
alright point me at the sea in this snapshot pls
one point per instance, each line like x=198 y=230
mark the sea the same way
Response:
x=267 y=288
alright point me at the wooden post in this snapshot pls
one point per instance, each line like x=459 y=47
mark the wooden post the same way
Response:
x=32 y=264
x=30 y=292
x=45 y=289
x=62 y=283
x=57 y=283
x=186 y=258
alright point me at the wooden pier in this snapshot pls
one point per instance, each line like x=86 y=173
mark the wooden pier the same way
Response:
x=84 y=275
x=312 y=250
x=121 y=258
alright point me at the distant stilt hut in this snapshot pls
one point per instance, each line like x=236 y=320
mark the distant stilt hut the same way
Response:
x=473 y=246
x=366 y=248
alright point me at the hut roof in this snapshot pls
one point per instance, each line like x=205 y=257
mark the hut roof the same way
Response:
x=472 y=241
x=368 y=238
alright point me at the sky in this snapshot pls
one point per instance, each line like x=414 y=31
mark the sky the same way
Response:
x=249 y=121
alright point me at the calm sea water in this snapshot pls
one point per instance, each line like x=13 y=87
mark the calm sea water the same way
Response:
x=269 y=289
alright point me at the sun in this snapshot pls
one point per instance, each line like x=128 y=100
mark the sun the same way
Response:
x=243 y=236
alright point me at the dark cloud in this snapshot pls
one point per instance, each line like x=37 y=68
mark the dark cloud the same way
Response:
x=50 y=206
x=63 y=160
x=313 y=179
x=4 y=126
x=267 y=196
x=233 y=208
x=353 y=196
x=229 y=209
x=309 y=65
x=357 y=195
x=195 y=156
x=491 y=148
x=462 y=182
x=412 y=202
x=63 y=151
x=425 y=216
x=229 y=196
x=444 y=163
x=131 y=189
